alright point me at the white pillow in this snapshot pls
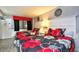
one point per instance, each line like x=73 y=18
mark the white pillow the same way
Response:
x=69 y=33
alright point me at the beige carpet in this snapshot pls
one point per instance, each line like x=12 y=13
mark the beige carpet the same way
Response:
x=6 y=45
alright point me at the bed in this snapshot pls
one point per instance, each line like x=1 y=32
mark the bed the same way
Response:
x=51 y=42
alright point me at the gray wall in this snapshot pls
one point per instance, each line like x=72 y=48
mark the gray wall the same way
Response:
x=77 y=34
x=77 y=24
x=69 y=10
x=69 y=14
x=7 y=26
x=0 y=30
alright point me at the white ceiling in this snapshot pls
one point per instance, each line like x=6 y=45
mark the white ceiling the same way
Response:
x=28 y=11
